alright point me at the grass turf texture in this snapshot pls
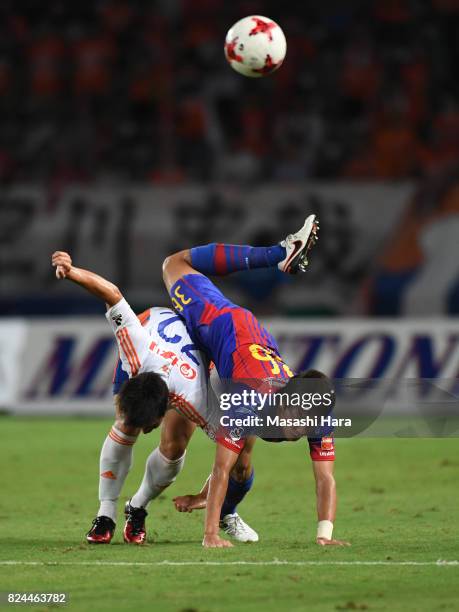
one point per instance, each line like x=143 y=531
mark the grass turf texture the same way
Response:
x=398 y=501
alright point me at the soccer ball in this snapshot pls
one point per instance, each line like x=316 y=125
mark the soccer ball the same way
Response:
x=255 y=46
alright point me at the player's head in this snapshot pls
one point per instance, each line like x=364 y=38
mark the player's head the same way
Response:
x=142 y=400
x=309 y=393
x=322 y=383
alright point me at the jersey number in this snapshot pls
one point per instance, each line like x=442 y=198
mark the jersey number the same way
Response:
x=263 y=354
x=178 y=299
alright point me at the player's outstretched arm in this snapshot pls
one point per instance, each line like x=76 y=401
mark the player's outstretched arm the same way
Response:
x=218 y=485
x=326 y=503
x=95 y=284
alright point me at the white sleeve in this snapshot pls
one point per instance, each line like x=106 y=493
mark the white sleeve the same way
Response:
x=133 y=339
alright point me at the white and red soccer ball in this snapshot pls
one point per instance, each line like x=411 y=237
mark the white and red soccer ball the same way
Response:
x=255 y=46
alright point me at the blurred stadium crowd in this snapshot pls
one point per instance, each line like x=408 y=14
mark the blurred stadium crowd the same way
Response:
x=140 y=91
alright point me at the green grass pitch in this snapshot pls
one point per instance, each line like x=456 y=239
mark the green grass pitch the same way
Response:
x=398 y=501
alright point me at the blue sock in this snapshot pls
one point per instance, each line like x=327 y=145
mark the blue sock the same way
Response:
x=235 y=494
x=221 y=259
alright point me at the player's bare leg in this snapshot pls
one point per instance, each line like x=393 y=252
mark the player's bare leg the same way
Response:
x=162 y=467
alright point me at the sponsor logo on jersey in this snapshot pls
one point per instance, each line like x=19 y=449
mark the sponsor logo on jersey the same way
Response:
x=169 y=355
x=118 y=319
x=236 y=434
x=327 y=453
x=187 y=371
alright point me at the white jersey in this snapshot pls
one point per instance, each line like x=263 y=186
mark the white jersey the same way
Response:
x=158 y=341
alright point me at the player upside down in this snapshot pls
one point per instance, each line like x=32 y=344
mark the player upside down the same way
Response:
x=242 y=349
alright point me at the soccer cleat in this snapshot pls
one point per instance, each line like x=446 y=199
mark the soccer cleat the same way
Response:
x=298 y=246
x=234 y=526
x=134 y=528
x=102 y=530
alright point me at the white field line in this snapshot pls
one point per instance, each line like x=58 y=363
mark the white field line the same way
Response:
x=273 y=562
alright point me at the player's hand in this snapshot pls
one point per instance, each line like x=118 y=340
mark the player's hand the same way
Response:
x=62 y=262
x=188 y=503
x=215 y=541
x=326 y=542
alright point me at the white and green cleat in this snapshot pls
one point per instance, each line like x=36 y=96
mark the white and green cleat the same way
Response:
x=234 y=526
x=298 y=246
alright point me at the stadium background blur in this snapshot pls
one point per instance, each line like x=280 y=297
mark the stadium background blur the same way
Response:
x=124 y=135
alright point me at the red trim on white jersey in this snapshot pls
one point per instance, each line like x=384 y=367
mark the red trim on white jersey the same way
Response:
x=129 y=350
x=188 y=409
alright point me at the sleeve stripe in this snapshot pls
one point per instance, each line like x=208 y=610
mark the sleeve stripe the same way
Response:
x=127 y=352
x=187 y=409
x=125 y=349
x=131 y=345
x=175 y=402
x=183 y=409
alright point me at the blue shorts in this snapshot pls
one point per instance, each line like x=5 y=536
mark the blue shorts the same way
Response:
x=119 y=376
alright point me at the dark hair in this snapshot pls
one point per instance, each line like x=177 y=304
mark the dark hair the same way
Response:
x=322 y=383
x=143 y=399
x=318 y=382
x=312 y=374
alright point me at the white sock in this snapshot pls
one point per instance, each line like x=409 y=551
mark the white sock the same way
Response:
x=160 y=472
x=115 y=463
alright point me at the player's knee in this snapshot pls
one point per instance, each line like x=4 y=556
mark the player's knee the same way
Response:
x=127 y=429
x=173 y=449
x=175 y=259
x=325 y=480
x=167 y=264
x=171 y=260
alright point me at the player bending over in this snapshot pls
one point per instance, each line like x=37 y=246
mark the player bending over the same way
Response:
x=242 y=348
x=159 y=368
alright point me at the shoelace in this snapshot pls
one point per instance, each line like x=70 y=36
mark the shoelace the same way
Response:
x=235 y=522
x=100 y=525
x=136 y=519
